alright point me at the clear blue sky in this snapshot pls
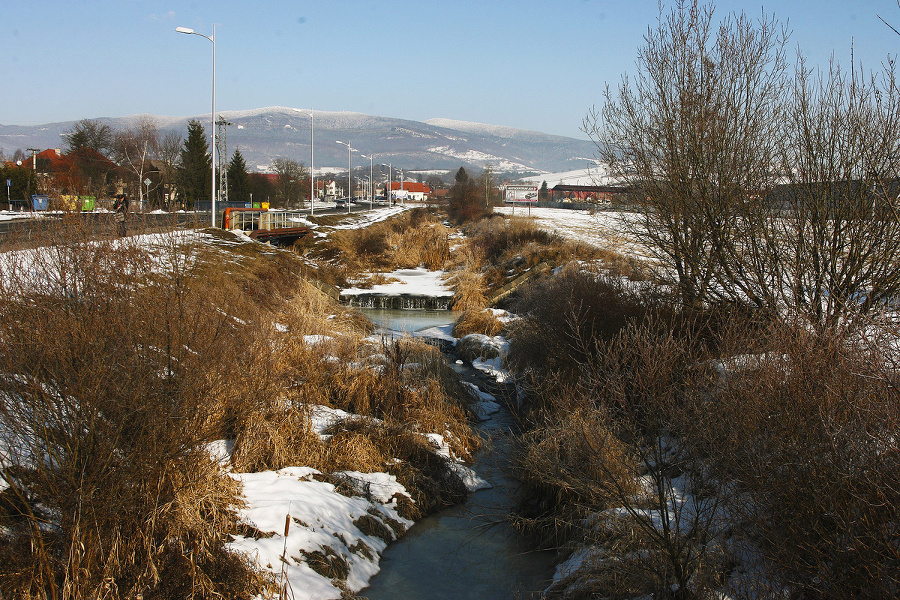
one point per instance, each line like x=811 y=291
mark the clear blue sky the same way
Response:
x=529 y=64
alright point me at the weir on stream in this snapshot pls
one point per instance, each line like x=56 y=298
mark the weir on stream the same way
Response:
x=470 y=550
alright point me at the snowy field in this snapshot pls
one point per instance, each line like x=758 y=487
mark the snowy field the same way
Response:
x=601 y=228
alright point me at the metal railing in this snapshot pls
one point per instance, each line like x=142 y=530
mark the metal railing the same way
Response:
x=252 y=219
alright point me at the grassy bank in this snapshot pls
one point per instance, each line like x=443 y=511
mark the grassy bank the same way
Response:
x=683 y=454
x=123 y=360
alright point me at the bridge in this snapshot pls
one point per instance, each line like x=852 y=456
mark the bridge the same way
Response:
x=280 y=227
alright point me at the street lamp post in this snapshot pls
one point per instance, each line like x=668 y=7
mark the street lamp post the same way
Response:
x=312 y=159
x=349 y=171
x=371 y=180
x=212 y=38
x=387 y=189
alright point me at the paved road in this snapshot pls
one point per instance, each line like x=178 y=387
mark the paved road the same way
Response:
x=101 y=223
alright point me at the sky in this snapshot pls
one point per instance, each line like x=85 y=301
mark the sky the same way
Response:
x=529 y=64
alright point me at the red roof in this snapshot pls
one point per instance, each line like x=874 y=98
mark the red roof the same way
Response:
x=411 y=186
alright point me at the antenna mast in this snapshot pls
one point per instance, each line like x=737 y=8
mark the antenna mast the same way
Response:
x=222 y=152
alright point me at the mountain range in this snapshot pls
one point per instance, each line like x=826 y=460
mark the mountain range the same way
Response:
x=280 y=132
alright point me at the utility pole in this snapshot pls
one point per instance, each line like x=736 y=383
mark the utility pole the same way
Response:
x=222 y=151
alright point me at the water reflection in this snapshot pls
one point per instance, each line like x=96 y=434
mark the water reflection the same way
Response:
x=468 y=551
x=410 y=321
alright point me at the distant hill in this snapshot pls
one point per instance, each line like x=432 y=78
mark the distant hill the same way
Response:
x=437 y=144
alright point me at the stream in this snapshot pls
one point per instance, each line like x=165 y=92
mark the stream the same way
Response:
x=467 y=551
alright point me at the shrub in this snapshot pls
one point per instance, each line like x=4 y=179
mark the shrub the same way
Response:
x=111 y=369
x=564 y=315
x=807 y=427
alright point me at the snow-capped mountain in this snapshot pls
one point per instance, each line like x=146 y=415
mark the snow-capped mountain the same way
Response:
x=437 y=144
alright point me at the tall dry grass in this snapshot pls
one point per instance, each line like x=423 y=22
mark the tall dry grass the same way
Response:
x=411 y=239
x=111 y=362
x=121 y=361
x=788 y=432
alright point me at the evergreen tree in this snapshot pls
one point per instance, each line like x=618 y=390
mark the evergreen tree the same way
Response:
x=466 y=200
x=544 y=192
x=195 y=168
x=238 y=179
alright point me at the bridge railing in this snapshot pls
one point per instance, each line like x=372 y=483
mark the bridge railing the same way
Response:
x=252 y=219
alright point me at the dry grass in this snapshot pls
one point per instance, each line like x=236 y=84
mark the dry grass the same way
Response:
x=410 y=239
x=118 y=373
x=109 y=398
x=477 y=321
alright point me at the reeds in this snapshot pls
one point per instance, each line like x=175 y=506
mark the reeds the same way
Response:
x=786 y=431
x=122 y=360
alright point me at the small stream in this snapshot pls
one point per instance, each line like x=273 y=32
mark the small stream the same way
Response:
x=467 y=551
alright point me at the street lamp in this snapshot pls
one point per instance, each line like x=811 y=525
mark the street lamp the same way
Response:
x=312 y=158
x=349 y=171
x=212 y=130
x=387 y=189
x=371 y=179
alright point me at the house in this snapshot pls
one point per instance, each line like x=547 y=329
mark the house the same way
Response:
x=410 y=190
x=83 y=172
x=594 y=194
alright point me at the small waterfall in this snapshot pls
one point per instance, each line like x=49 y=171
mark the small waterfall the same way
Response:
x=398 y=302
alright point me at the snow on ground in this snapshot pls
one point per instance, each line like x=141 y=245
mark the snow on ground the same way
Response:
x=603 y=229
x=15 y=215
x=299 y=515
x=592 y=175
x=364 y=219
x=416 y=282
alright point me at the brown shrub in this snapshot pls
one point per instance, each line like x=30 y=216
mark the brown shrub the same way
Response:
x=571 y=465
x=112 y=369
x=477 y=321
x=564 y=315
x=808 y=429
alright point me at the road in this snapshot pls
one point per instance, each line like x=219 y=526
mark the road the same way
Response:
x=101 y=223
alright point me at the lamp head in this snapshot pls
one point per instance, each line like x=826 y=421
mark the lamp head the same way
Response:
x=184 y=30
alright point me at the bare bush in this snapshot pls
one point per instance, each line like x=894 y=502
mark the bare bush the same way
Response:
x=110 y=368
x=563 y=313
x=807 y=428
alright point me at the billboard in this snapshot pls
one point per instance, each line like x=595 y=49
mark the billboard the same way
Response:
x=522 y=193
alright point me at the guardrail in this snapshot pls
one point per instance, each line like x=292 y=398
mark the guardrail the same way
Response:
x=253 y=219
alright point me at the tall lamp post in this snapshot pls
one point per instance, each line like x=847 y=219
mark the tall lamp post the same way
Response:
x=390 y=184
x=312 y=158
x=212 y=130
x=349 y=171
x=371 y=180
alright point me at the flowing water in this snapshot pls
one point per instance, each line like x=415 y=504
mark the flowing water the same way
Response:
x=467 y=551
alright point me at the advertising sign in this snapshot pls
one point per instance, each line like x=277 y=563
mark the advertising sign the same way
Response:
x=522 y=193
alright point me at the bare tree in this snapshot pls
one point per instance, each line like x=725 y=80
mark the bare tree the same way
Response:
x=289 y=181
x=693 y=135
x=135 y=147
x=837 y=226
x=169 y=153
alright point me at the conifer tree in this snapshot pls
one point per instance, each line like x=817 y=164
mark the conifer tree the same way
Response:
x=238 y=179
x=195 y=168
